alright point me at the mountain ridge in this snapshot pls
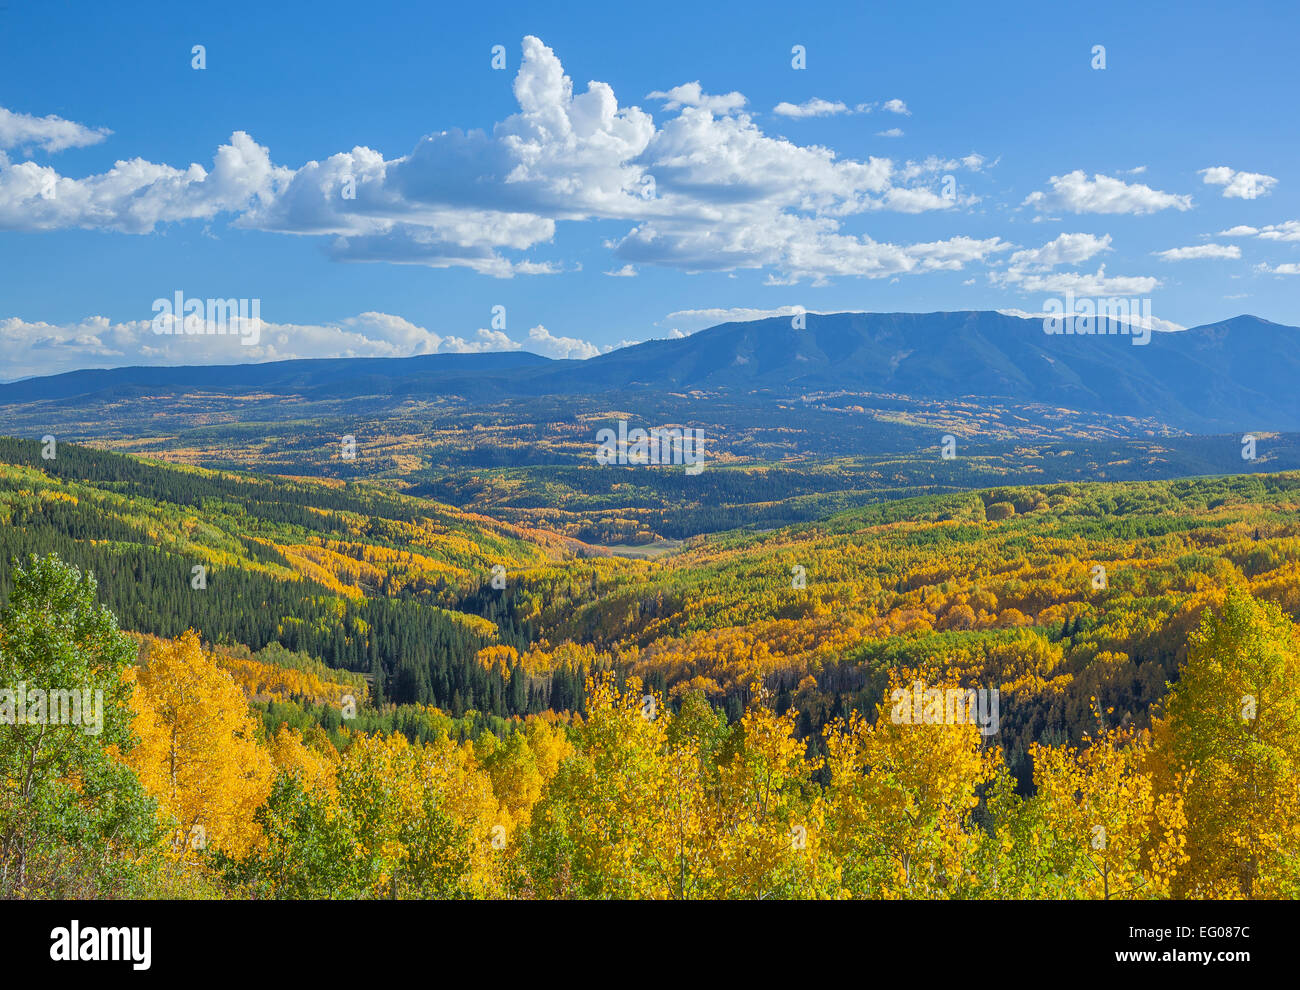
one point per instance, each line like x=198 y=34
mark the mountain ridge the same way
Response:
x=1237 y=373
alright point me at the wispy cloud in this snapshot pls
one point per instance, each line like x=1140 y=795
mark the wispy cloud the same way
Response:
x=699 y=319
x=1199 y=251
x=50 y=133
x=1288 y=231
x=811 y=108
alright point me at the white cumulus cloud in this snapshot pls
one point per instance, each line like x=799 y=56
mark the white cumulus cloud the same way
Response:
x=692 y=95
x=1067 y=249
x=1238 y=185
x=1076 y=193
x=544 y=342
x=705 y=188
x=44 y=348
x=1289 y=231
x=136 y=196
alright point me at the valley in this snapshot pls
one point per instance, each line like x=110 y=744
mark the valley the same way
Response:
x=391 y=577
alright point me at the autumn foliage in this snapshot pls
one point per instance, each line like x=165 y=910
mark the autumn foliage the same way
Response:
x=640 y=799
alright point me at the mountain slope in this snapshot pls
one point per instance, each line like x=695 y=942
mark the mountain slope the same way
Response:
x=1237 y=374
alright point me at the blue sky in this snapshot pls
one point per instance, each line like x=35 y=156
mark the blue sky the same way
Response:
x=970 y=158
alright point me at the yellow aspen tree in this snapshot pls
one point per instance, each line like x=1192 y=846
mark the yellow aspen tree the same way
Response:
x=767 y=839
x=426 y=818
x=520 y=767
x=1228 y=740
x=619 y=820
x=314 y=769
x=199 y=753
x=378 y=787
x=900 y=798
x=458 y=800
x=1118 y=839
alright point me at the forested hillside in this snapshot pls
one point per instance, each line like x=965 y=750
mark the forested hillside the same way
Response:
x=1058 y=594
x=372 y=694
x=360 y=578
x=183 y=793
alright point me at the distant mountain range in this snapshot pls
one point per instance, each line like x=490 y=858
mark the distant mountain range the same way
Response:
x=1239 y=374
